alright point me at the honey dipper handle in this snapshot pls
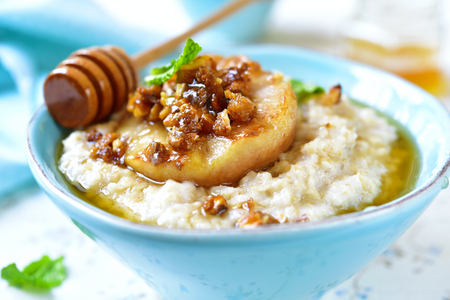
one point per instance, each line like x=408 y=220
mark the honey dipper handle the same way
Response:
x=141 y=59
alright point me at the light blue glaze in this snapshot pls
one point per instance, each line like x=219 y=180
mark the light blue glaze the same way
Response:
x=287 y=262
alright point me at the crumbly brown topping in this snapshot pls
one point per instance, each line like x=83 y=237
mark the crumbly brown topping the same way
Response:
x=332 y=97
x=207 y=121
x=182 y=141
x=236 y=78
x=109 y=147
x=240 y=108
x=198 y=101
x=222 y=125
x=213 y=87
x=157 y=153
x=215 y=205
x=94 y=135
x=248 y=205
x=142 y=101
x=254 y=219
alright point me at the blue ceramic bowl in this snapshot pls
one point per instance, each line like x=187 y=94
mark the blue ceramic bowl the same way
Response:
x=298 y=261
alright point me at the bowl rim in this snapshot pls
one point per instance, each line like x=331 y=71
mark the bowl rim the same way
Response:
x=142 y=228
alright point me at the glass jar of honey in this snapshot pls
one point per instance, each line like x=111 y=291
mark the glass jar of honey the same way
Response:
x=400 y=36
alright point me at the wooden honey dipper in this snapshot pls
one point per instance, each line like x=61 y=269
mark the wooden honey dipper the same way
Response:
x=94 y=82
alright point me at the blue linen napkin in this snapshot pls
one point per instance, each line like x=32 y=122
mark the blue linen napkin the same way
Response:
x=35 y=35
x=16 y=85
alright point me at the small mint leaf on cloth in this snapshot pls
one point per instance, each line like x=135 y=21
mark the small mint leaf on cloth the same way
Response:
x=43 y=274
x=162 y=74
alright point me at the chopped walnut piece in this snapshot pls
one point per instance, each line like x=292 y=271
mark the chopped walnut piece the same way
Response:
x=213 y=88
x=234 y=74
x=222 y=125
x=164 y=112
x=110 y=148
x=186 y=76
x=157 y=153
x=201 y=61
x=235 y=87
x=141 y=108
x=94 y=135
x=181 y=141
x=117 y=144
x=177 y=105
x=171 y=121
x=207 y=122
x=215 y=205
x=186 y=125
x=154 y=112
x=303 y=218
x=254 y=219
x=240 y=108
x=143 y=99
x=164 y=99
x=197 y=95
x=152 y=93
x=235 y=78
x=332 y=97
x=248 y=205
x=181 y=87
x=187 y=73
x=188 y=118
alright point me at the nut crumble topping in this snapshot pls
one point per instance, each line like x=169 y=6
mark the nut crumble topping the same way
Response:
x=254 y=219
x=200 y=100
x=109 y=147
x=215 y=205
x=332 y=97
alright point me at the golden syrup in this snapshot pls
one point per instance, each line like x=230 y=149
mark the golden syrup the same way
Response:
x=403 y=166
x=431 y=80
x=417 y=64
x=96 y=200
x=103 y=203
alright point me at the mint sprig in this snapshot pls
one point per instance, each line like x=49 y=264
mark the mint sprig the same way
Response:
x=304 y=91
x=40 y=275
x=162 y=74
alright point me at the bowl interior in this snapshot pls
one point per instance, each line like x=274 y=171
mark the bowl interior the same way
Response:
x=419 y=112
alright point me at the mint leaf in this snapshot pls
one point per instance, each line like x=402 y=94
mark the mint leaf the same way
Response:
x=162 y=69
x=164 y=73
x=43 y=274
x=304 y=91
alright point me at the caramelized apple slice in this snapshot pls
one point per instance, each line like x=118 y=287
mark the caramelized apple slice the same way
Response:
x=216 y=159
